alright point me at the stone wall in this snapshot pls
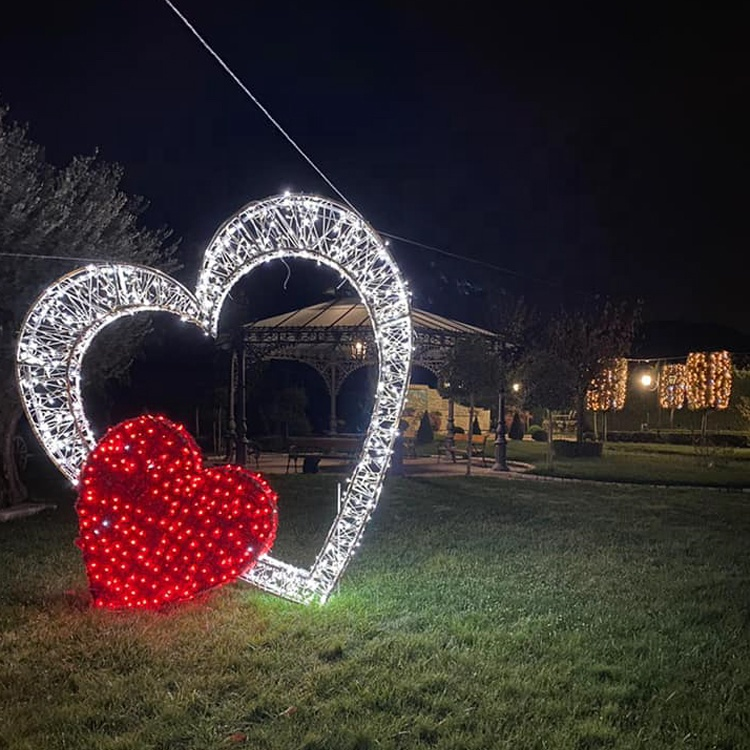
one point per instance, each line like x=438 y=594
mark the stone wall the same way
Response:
x=422 y=398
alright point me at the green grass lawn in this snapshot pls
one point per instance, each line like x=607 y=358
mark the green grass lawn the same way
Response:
x=478 y=614
x=647 y=462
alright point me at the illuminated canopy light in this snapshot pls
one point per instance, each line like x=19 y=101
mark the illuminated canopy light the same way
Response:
x=60 y=326
x=708 y=380
x=607 y=390
x=672 y=386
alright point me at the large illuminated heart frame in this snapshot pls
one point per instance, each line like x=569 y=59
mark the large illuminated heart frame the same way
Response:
x=64 y=320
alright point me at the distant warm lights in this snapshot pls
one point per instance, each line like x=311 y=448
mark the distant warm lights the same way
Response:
x=672 y=386
x=708 y=380
x=607 y=390
x=156 y=527
x=359 y=350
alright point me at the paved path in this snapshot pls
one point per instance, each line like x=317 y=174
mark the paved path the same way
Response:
x=429 y=466
x=276 y=463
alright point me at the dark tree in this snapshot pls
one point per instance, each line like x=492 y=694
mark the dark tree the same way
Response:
x=472 y=375
x=71 y=212
x=424 y=432
x=516 y=431
x=559 y=370
x=287 y=412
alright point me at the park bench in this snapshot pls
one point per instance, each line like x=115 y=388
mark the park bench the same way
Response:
x=310 y=449
x=564 y=421
x=460 y=447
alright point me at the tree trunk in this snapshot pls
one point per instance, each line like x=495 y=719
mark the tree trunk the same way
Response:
x=470 y=435
x=580 y=406
x=12 y=489
x=550 y=448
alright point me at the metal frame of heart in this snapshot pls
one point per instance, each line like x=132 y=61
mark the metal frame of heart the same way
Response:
x=60 y=326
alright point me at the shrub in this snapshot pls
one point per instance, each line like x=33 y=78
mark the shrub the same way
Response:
x=540 y=435
x=718 y=439
x=424 y=433
x=516 y=431
x=572 y=449
x=475 y=428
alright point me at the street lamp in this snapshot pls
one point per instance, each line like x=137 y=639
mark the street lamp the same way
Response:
x=647 y=380
x=501 y=443
x=450 y=427
x=359 y=350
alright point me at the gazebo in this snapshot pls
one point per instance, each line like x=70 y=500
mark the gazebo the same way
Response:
x=335 y=338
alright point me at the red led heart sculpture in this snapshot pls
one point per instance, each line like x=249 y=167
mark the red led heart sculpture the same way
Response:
x=156 y=527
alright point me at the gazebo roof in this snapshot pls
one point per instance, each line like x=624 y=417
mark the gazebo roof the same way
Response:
x=351 y=314
x=337 y=335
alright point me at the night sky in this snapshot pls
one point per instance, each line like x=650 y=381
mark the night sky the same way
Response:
x=585 y=151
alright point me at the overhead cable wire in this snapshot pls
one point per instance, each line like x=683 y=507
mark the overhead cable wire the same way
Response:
x=484 y=263
x=257 y=103
x=39 y=256
x=322 y=174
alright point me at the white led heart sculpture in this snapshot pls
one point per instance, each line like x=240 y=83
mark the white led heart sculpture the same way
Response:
x=64 y=320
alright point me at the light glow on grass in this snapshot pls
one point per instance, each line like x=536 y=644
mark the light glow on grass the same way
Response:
x=64 y=320
x=486 y=613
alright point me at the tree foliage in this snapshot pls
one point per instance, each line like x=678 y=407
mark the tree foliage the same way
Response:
x=516 y=431
x=63 y=214
x=286 y=411
x=425 y=434
x=472 y=372
x=559 y=369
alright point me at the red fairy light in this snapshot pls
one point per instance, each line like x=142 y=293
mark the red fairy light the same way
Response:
x=150 y=530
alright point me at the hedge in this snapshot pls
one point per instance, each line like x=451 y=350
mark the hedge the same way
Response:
x=572 y=449
x=718 y=439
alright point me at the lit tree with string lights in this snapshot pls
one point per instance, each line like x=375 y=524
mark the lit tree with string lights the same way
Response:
x=76 y=211
x=672 y=388
x=708 y=383
x=608 y=389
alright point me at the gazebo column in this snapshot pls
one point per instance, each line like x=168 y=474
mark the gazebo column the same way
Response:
x=237 y=441
x=333 y=391
x=232 y=417
x=242 y=441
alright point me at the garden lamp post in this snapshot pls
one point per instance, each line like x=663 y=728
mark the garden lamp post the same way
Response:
x=501 y=442
x=647 y=379
x=450 y=427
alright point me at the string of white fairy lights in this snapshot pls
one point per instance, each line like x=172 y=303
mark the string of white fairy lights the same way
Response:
x=701 y=380
x=62 y=323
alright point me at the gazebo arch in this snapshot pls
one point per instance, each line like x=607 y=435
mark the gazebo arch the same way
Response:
x=335 y=337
